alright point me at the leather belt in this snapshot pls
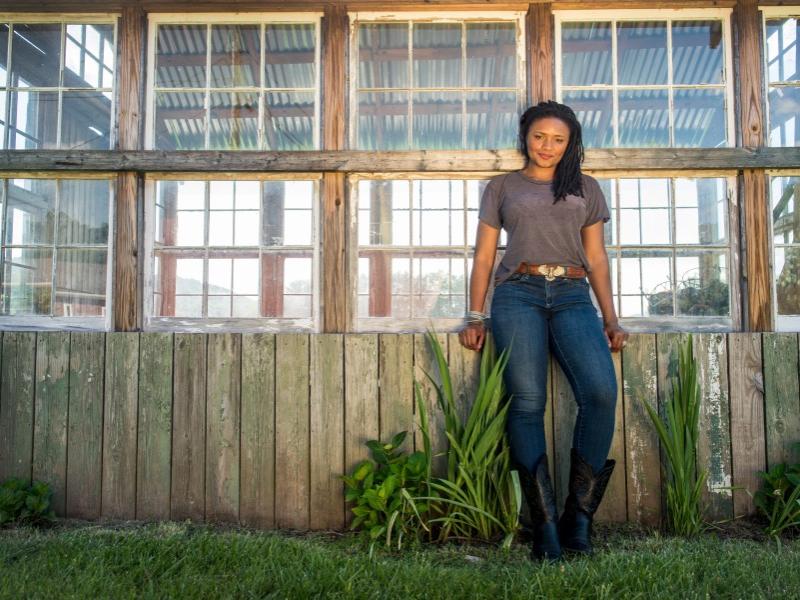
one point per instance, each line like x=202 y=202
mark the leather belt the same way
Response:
x=550 y=272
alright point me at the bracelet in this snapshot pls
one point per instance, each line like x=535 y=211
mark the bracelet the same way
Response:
x=474 y=316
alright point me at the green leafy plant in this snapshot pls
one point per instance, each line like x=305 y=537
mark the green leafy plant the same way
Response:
x=779 y=496
x=25 y=504
x=678 y=433
x=480 y=497
x=383 y=491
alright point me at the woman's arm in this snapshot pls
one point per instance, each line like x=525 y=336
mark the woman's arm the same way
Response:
x=473 y=335
x=600 y=279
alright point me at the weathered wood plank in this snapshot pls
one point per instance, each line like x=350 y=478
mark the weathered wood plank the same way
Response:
x=781 y=395
x=327 y=431
x=257 y=496
x=714 y=445
x=750 y=75
x=16 y=404
x=292 y=469
x=425 y=362
x=119 y=425
x=465 y=374
x=51 y=415
x=614 y=506
x=334 y=52
x=223 y=409
x=153 y=473
x=540 y=52
x=188 y=488
x=85 y=430
x=396 y=368
x=643 y=465
x=748 y=452
x=335 y=309
x=597 y=159
x=757 y=258
x=565 y=412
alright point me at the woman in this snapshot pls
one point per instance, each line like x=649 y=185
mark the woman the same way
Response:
x=553 y=215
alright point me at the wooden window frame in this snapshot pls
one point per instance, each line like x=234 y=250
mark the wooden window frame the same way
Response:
x=774 y=12
x=782 y=322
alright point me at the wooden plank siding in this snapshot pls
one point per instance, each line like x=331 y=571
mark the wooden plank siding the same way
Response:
x=257 y=428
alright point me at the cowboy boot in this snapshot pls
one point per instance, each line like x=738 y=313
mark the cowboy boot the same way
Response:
x=538 y=491
x=585 y=493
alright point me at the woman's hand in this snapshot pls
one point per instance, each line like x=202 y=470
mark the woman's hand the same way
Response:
x=472 y=336
x=617 y=336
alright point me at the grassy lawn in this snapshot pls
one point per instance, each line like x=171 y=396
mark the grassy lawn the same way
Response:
x=74 y=560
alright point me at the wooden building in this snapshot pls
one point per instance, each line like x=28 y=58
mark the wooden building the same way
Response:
x=225 y=224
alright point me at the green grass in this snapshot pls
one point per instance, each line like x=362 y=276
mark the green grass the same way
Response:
x=192 y=561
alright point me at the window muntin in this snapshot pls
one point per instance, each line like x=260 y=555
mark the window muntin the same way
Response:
x=54 y=260
x=782 y=56
x=57 y=83
x=228 y=84
x=423 y=84
x=232 y=251
x=642 y=80
x=785 y=218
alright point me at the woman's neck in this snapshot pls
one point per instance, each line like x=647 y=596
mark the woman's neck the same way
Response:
x=534 y=171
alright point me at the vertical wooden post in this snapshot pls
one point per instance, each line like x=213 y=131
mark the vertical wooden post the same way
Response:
x=130 y=67
x=541 y=50
x=750 y=77
x=335 y=299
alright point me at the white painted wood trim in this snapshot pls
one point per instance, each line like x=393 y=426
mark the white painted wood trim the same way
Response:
x=773 y=12
x=72 y=18
x=193 y=18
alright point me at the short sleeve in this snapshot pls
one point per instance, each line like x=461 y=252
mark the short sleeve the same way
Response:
x=596 y=206
x=489 y=211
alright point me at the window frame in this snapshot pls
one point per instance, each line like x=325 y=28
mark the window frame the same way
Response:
x=788 y=323
x=459 y=17
x=64 y=19
x=151 y=322
x=774 y=12
x=62 y=323
x=669 y=15
x=154 y=19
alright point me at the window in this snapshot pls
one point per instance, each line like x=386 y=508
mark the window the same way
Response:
x=236 y=252
x=56 y=83
x=55 y=251
x=436 y=83
x=670 y=250
x=647 y=78
x=783 y=79
x=784 y=199
x=234 y=82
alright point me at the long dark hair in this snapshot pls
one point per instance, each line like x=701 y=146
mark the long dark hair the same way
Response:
x=567 y=179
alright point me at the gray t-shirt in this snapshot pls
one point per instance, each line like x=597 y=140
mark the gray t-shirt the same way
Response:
x=540 y=232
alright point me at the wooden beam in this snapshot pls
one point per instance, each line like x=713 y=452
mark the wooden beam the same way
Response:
x=750 y=73
x=758 y=297
x=540 y=52
x=335 y=299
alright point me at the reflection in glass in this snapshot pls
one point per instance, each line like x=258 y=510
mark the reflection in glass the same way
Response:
x=491 y=55
x=383 y=215
x=702 y=288
x=440 y=285
x=437 y=120
x=594 y=111
x=699 y=118
x=27 y=281
x=33 y=120
x=784 y=112
x=89 y=56
x=383 y=121
x=642 y=53
x=4 y=31
x=436 y=55
x=83 y=212
x=586 y=53
x=31 y=211
x=234 y=121
x=645 y=286
x=610 y=227
x=697 y=52
x=289 y=120
x=701 y=211
x=2 y=118
x=36 y=55
x=181 y=55
x=643 y=118
x=383 y=55
x=80 y=282
x=235 y=55
x=438 y=207
x=785 y=197
x=180 y=121
x=787 y=280
x=289 y=55
x=85 y=121
x=783 y=50
x=491 y=120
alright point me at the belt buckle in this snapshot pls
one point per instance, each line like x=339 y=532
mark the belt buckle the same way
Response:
x=550 y=272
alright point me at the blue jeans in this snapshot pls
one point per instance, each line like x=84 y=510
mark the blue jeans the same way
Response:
x=534 y=315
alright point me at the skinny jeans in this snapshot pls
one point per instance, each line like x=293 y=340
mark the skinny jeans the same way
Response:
x=534 y=316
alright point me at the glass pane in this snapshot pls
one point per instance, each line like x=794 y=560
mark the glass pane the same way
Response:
x=179 y=208
x=2 y=119
x=782 y=49
x=437 y=205
x=36 y=55
x=178 y=285
x=785 y=198
x=245 y=307
x=4 y=30
x=80 y=283
x=219 y=307
x=648 y=193
x=586 y=53
x=245 y=276
x=437 y=55
x=383 y=55
x=180 y=121
x=784 y=129
x=643 y=118
x=702 y=283
x=220 y=273
x=296 y=282
x=235 y=55
x=85 y=121
x=283 y=222
x=181 y=56
x=88 y=56
x=220 y=228
x=697 y=52
x=83 y=212
x=33 y=120
x=645 y=285
x=234 y=121
x=187 y=274
x=31 y=211
x=189 y=228
x=383 y=121
x=642 y=53
x=700 y=118
x=491 y=55
x=787 y=281
x=437 y=120
x=594 y=111
x=27 y=281
x=491 y=120
x=289 y=55
x=610 y=226
x=439 y=287
x=289 y=121
x=701 y=211
x=383 y=213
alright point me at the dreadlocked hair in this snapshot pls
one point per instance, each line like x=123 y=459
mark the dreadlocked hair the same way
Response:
x=567 y=179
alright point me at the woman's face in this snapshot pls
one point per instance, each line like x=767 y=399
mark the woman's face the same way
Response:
x=547 y=141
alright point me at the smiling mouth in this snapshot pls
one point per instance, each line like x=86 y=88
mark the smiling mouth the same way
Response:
x=545 y=156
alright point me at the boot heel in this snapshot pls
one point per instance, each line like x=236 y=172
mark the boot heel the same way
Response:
x=538 y=491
